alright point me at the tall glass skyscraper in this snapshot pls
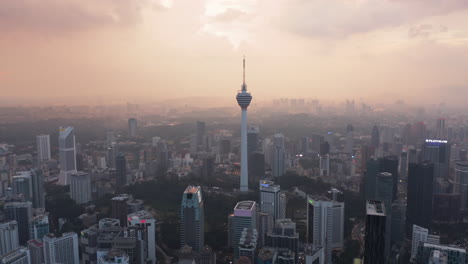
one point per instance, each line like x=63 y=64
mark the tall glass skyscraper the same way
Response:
x=67 y=154
x=192 y=220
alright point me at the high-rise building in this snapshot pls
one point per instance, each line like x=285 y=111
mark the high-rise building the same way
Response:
x=192 y=231
x=9 y=239
x=22 y=185
x=390 y=164
x=271 y=200
x=21 y=212
x=403 y=168
x=43 y=148
x=132 y=127
x=64 y=249
x=384 y=193
x=325 y=224
x=200 y=134
x=144 y=225
x=438 y=152
x=256 y=167
x=460 y=185
x=67 y=153
x=88 y=245
x=121 y=170
x=243 y=99
x=39 y=226
x=398 y=221
x=374 y=241
x=446 y=208
x=284 y=237
x=38 y=197
x=420 y=195
x=17 y=256
x=252 y=139
x=36 y=251
x=349 y=139
x=440 y=129
x=244 y=216
x=324 y=165
x=421 y=235
x=114 y=257
x=248 y=244
x=454 y=254
x=80 y=187
x=119 y=208
x=279 y=156
x=375 y=137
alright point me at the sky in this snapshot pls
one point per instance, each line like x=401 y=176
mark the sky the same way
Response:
x=415 y=50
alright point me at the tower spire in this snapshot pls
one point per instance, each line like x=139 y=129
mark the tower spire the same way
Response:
x=244 y=86
x=244 y=70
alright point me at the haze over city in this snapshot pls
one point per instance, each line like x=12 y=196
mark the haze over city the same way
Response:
x=379 y=50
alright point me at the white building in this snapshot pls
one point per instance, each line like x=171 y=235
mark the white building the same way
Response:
x=146 y=229
x=43 y=148
x=80 y=187
x=114 y=257
x=279 y=156
x=271 y=200
x=17 y=256
x=67 y=151
x=59 y=250
x=9 y=239
x=419 y=235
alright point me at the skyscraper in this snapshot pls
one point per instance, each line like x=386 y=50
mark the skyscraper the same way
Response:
x=390 y=164
x=252 y=139
x=67 y=154
x=438 y=152
x=403 y=168
x=279 y=155
x=349 y=139
x=421 y=234
x=384 y=193
x=38 y=197
x=119 y=208
x=144 y=225
x=325 y=224
x=17 y=256
x=192 y=220
x=9 y=239
x=64 y=249
x=271 y=200
x=39 y=225
x=43 y=148
x=284 y=237
x=375 y=137
x=461 y=184
x=244 y=216
x=132 y=127
x=22 y=185
x=420 y=195
x=80 y=187
x=21 y=212
x=243 y=99
x=36 y=251
x=374 y=241
x=121 y=170
x=200 y=134
x=440 y=129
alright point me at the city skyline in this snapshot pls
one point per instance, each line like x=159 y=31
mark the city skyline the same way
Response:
x=412 y=50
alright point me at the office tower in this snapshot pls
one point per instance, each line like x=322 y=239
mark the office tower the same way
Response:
x=461 y=184
x=162 y=157
x=366 y=153
x=112 y=152
x=36 y=251
x=325 y=224
x=110 y=137
x=419 y=235
x=403 y=168
x=398 y=221
x=256 y=166
x=271 y=200
x=284 y=237
x=390 y=164
x=374 y=241
x=43 y=148
x=417 y=132
x=67 y=154
x=243 y=99
x=39 y=226
x=88 y=245
x=420 y=192
x=370 y=178
x=200 y=134
x=252 y=139
x=248 y=244
x=134 y=205
x=375 y=137
x=324 y=165
x=244 y=216
x=121 y=170
x=265 y=224
x=349 y=139
x=208 y=167
x=314 y=255
x=22 y=185
x=438 y=152
x=17 y=256
x=446 y=208
x=9 y=239
x=279 y=156
x=132 y=127
x=440 y=129
x=80 y=187
x=145 y=228
x=324 y=148
x=305 y=145
x=454 y=254
x=114 y=257
x=21 y=212
x=192 y=231
x=119 y=208
x=38 y=196
x=62 y=249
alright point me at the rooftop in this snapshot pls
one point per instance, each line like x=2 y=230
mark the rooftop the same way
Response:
x=122 y=197
x=245 y=205
x=375 y=208
x=140 y=215
x=192 y=189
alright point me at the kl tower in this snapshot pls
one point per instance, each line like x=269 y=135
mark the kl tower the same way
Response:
x=243 y=99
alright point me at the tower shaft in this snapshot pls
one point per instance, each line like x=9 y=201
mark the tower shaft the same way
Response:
x=244 y=178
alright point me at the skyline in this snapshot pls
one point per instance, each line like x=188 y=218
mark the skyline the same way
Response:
x=331 y=50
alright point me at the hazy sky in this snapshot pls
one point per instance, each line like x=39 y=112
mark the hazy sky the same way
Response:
x=330 y=49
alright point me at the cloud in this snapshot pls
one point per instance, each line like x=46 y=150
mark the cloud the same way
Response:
x=59 y=16
x=341 y=18
x=229 y=15
x=426 y=30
